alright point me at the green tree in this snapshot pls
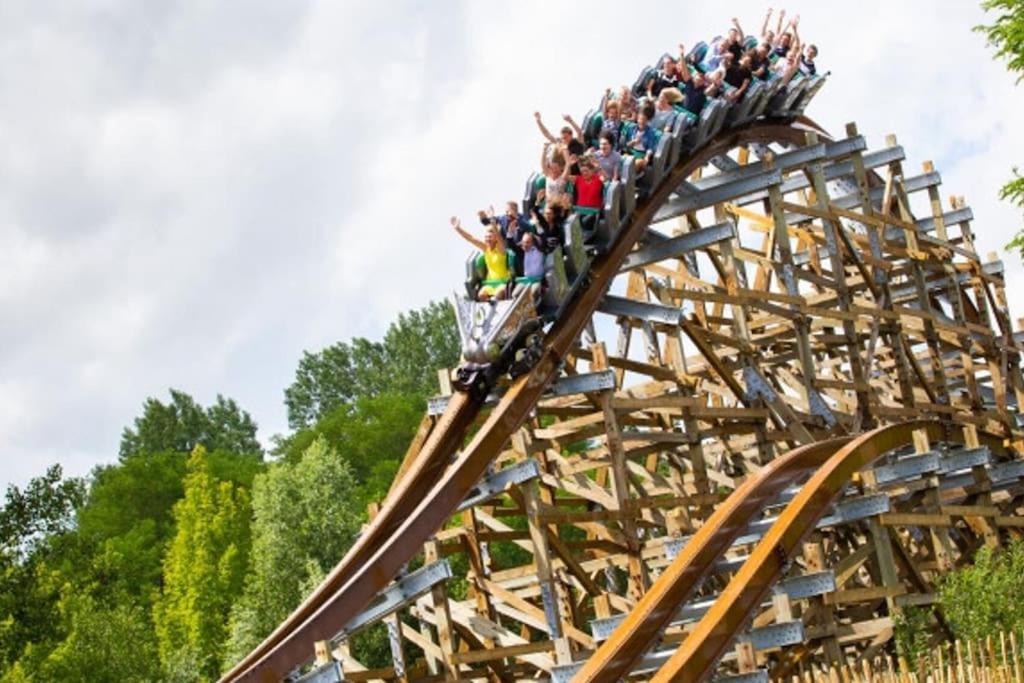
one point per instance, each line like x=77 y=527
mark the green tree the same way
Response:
x=371 y=435
x=183 y=424
x=42 y=509
x=104 y=644
x=32 y=521
x=1006 y=35
x=204 y=569
x=304 y=519
x=405 y=362
x=984 y=598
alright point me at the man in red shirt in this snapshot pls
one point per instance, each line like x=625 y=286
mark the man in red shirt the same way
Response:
x=589 y=194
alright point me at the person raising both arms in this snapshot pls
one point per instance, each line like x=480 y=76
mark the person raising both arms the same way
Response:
x=496 y=257
x=570 y=137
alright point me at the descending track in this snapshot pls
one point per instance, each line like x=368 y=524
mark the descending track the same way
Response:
x=621 y=652
x=781 y=387
x=695 y=659
x=833 y=464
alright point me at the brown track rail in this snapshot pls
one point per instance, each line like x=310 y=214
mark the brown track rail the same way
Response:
x=421 y=503
x=695 y=659
x=618 y=655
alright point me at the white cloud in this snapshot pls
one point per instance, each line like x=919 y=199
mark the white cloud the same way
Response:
x=192 y=194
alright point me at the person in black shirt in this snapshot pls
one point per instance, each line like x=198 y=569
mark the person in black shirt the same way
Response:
x=666 y=77
x=739 y=76
x=759 y=60
x=807 y=67
x=570 y=138
x=550 y=227
x=735 y=40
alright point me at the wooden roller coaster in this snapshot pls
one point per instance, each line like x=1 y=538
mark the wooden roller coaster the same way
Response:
x=818 y=421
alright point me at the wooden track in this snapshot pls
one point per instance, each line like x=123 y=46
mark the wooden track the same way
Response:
x=790 y=303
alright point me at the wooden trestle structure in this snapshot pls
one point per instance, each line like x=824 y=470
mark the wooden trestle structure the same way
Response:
x=804 y=413
x=789 y=296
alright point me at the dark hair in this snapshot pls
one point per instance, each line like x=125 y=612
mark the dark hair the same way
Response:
x=812 y=46
x=609 y=137
x=648 y=111
x=567 y=129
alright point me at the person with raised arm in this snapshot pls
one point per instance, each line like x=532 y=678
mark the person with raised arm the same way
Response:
x=512 y=226
x=695 y=90
x=788 y=67
x=734 y=40
x=767 y=35
x=556 y=177
x=787 y=38
x=570 y=136
x=778 y=25
x=497 y=261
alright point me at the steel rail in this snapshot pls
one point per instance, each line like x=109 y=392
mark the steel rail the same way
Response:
x=696 y=657
x=620 y=653
x=398 y=533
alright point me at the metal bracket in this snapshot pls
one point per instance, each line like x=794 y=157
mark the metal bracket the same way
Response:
x=775 y=635
x=759 y=676
x=565 y=673
x=602 y=380
x=655 y=313
x=757 y=386
x=907 y=468
x=676 y=247
x=856 y=509
x=494 y=484
x=327 y=673
x=397 y=595
x=964 y=460
x=1002 y=472
x=807 y=585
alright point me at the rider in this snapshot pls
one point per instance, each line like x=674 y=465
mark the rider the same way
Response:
x=498 y=261
x=533 y=266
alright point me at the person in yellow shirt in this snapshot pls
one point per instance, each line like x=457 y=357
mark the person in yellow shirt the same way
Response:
x=498 y=261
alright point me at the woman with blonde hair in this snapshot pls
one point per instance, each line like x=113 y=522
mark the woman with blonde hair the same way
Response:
x=498 y=261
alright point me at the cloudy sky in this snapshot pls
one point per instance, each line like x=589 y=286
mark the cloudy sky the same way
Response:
x=192 y=193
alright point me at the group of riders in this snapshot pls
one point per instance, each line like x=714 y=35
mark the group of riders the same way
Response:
x=576 y=174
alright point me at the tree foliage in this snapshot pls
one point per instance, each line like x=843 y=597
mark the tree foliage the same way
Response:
x=42 y=509
x=150 y=572
x=1006 y=35
x=405 y=362
x=182 y=424
x=32 y=521
x=103 y=644
x=371 y=435
x=304 y=519
x=1006 y=32
x=983 y=599
x=203 y=570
